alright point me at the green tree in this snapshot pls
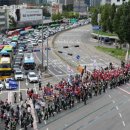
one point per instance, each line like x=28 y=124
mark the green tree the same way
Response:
x=94 y=16
x=105 y=17
x=56 y=17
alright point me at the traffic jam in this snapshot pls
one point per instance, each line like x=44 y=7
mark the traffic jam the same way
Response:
x=17 y=61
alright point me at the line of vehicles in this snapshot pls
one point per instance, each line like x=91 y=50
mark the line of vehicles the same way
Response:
x=17 y=61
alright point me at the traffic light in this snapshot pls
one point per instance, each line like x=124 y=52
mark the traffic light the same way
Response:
x=60 y=52
x=70 y=54
x=65 y=47
x=76 y=45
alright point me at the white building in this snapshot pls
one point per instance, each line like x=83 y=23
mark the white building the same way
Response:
x=118 y=2
x=3 y=19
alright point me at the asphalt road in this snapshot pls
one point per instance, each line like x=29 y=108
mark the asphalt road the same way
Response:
x=89 y=56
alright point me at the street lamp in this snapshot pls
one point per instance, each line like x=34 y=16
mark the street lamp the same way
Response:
x=42 y=39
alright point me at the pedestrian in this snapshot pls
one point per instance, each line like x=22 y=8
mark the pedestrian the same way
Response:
x=40 y=85
x=15 y=97
x=46 y=114
x=39 y=115
x=21 y=97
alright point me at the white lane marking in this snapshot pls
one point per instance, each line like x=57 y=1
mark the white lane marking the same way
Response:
x=45 y=122
x=113 y=101
x=109 y=96
x=47 y=129
x=19 y=90
x=123 y=123
x=120 y=115
x=117 y=108
x=33 y=114
x=35 y=88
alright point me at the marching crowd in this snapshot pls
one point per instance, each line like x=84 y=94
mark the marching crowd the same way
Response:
x=75 y=89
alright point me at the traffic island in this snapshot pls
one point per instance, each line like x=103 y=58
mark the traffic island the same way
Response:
x=115 y=52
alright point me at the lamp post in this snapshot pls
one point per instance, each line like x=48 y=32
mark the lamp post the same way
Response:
x=42 y=40
x=47 y=54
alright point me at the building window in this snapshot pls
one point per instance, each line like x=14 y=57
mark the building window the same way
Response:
x=118 y=0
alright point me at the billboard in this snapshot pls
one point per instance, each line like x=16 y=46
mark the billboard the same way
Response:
x=26 y=15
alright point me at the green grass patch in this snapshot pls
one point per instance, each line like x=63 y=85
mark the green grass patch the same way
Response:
x=104 y=33
x=118 y=53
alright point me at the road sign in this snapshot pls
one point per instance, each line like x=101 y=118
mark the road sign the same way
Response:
x=36 y=50
x=13 y=84
x=96 y=27
x=78 y=57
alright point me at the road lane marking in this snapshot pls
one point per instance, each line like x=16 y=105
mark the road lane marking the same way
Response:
x=120 y=115
x=123 y=90
x=33 y=114
x=113 y=101
x=117 y=108
x=109 y=96
x=123 y=123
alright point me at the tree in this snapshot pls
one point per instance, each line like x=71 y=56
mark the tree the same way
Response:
x=94 y=16
x=105 y=17
x=56 y=17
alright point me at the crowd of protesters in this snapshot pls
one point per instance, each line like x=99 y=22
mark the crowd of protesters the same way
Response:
x=75 y=89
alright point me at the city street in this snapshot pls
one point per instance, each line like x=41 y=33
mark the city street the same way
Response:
x=89 y=56
x=109 y=111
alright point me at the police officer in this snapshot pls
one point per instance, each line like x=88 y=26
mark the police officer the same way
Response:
x=13 y=124
x=31 y=120
x=39 y=115
x=46 y=114
x=15 y=97
x=40 y=85
x=21 y=97
x=25 y=122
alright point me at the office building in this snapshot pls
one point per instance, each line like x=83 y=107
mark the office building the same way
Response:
x=65 y=2
x=3 y=19
x=7 y=2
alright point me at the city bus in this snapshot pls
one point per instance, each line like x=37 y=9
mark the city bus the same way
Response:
x=7 y=51
x=8 y=48
x=5 y=68
x=28 y=62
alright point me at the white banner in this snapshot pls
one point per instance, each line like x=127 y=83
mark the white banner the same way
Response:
x=25 y=15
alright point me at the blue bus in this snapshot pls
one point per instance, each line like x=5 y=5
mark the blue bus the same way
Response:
x=29 y=62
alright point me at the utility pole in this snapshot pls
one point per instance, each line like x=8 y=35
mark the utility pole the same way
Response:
x=42 y=42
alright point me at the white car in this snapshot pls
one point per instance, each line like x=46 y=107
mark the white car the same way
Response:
x=6 y=82
x=1 y=85
x=34 y=43
x=32 y=78
x=18 y=75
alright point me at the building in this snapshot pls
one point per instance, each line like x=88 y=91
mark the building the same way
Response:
x=87 y=2
x=65 y=2
x=80 y=7
x=56 y=8
x=8 y=2
x=95 y=2
x=3 y=19
x=118 y=2
x=103 y=2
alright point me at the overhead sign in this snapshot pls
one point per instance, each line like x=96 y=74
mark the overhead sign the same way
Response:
x=13 y=84
x=24 y=15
